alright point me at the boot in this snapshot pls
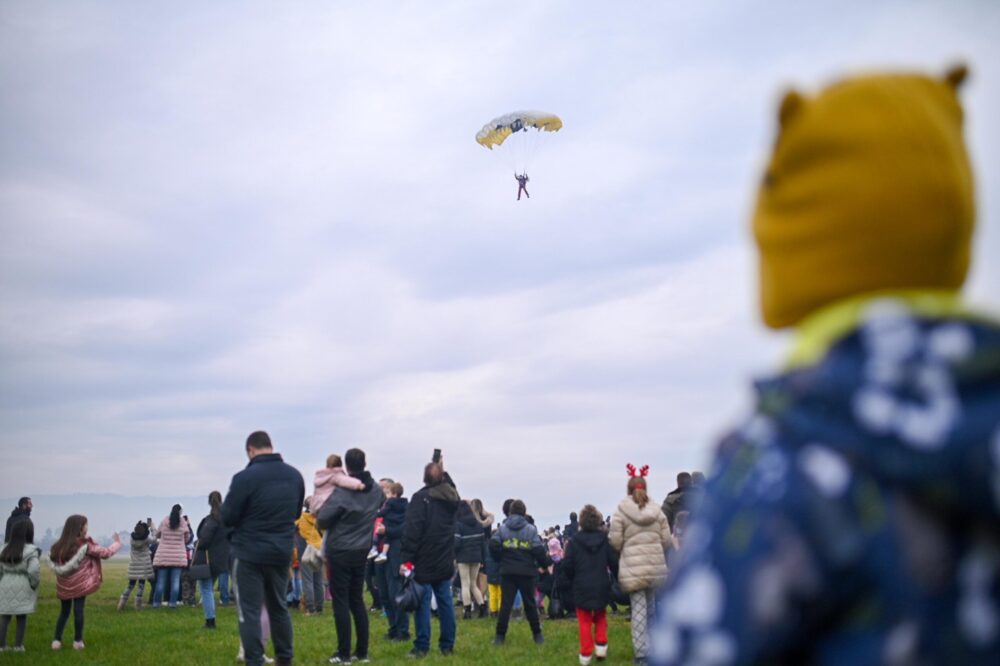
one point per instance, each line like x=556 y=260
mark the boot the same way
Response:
x=122 y=601
x=484 y=611
x=467 y=615
x=138 y=602
x=210 y=623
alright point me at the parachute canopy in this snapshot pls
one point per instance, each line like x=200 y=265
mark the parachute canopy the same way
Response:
x=497 y=130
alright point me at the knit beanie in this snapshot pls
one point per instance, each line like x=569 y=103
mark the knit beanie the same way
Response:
x=869 y=188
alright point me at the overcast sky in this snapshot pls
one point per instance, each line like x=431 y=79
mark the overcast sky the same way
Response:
x=223 y=217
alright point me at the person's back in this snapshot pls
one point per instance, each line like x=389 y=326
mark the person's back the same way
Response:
x=429 y=533
x=854 y=518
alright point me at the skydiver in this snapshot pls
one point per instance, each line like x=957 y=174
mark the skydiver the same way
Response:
x=522 y=183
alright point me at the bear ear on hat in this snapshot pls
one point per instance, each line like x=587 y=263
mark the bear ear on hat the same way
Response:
x=956 y=75
x=791 y=105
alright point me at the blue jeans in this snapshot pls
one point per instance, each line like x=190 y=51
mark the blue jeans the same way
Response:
x=224 y=587
x=446 y=615
x=296 y=594
x=161 y=585
x=207 y=586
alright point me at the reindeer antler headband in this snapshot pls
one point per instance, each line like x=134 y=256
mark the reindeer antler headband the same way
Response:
x=638 y=474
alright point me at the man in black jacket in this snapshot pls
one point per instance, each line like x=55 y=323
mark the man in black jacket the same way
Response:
x=518 y=548
x=429 y=551
x=21 y=512
x=348 y=519
x=261 y=507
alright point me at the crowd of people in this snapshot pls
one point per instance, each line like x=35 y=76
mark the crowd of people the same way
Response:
x=853 y=518
x=281 y=549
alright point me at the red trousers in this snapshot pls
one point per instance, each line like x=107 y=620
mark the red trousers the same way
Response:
x=593 y=627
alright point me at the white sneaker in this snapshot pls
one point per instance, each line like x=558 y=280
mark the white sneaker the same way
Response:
x=268 y=660
x=584 y=660
x=600 y=651
x=78 y=645
x=56 y=645
x=240 y=657
x=17 y=648
x=372 y=553
x=381 y=557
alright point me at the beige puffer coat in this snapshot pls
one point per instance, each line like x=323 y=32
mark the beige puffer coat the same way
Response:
x=641 y=536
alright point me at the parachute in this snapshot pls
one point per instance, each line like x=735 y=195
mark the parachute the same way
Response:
x=518 y=133
x=495 y=132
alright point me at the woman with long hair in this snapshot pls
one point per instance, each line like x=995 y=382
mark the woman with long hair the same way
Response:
x=213 y=549
x=171 y=556
x=76 y=559
x=640 y=533
x=19 y=578
x=485 y=519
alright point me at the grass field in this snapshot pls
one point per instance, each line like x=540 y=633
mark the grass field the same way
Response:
x=176 y=636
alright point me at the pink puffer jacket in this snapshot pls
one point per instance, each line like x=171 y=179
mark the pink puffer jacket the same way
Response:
x=86 y=579
x=172 y=551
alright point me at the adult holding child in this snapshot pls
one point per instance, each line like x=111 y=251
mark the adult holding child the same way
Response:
x=348 y=518
x=639 y=532
x=260 y=509
x=171 y=559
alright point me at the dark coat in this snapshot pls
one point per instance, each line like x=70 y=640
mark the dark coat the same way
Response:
x=492 y=568
x=572 y=527
x=584 y=571
x=393 y=515
x=16 y=516
x=348 y=516
x=212 y=540
x=518 y=548
x=429 y=532
x=470 y=543
x=261 y=507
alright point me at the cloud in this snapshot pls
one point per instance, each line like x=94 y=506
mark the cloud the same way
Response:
x=218 y=219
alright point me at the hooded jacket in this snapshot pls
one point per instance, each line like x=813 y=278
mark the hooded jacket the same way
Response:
x=171 y=550
x=82 y=575
x=584 y=570
x=327 y=480
x=641 y=536
x=429 y=532
x=16 y=516
x=855 y=517
x=261 y=507
x=518 y=548
x=348 y=516
x=470 y=542
x=19 y=582
x=140 y=562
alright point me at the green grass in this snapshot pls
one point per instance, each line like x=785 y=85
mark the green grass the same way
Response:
x=176 y=636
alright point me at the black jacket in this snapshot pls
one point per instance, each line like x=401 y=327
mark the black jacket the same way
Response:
x=212 y=540
x=16 y=516
x=348 y=516
x=470 y=542
x=572 y=527
x=429 y=532
x=584 y=571
x=393 y=515
x=518 y=548
x=261 y=507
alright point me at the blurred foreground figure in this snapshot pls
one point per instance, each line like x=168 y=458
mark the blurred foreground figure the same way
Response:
x=855 y=518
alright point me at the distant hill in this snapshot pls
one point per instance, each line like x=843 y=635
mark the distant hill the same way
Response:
x=106 y=513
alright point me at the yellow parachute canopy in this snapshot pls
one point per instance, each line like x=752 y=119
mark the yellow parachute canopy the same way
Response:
x=497 y=130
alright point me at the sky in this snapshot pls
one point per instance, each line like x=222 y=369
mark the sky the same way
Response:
x=222 y=218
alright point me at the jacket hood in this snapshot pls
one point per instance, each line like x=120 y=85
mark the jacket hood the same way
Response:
x=396 y=505
x=516 y=522
x=591 y=541
x=647 y=515
x=911 y=401
x=20 y=512
x=364 y=477
x=466 y=517
x=443 y=491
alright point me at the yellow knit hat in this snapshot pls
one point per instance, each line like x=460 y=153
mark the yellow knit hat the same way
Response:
x=869 y=188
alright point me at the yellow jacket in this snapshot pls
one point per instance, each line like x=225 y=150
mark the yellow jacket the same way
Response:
x=307 y=528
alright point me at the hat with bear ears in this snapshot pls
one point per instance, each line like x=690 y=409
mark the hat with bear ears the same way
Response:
x=869 y=188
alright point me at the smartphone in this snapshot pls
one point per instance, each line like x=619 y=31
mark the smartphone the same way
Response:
x=437 y=456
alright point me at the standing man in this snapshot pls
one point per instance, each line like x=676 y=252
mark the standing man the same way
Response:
x=348 y=519
x=21 y=512
x=261 y=507
x=429 y=552
x=676 y=500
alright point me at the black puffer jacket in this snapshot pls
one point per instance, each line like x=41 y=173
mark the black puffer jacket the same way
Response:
x=16 y=516
x=261 y=507
x=212 y=541
x=584 y=571
x=429 y=532
x=470 y=542
x=518 y=548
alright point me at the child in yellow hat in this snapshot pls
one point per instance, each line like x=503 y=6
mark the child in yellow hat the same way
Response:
x=855 y=518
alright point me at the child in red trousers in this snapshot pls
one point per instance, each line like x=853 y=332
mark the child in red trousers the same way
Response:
x=584 y=573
